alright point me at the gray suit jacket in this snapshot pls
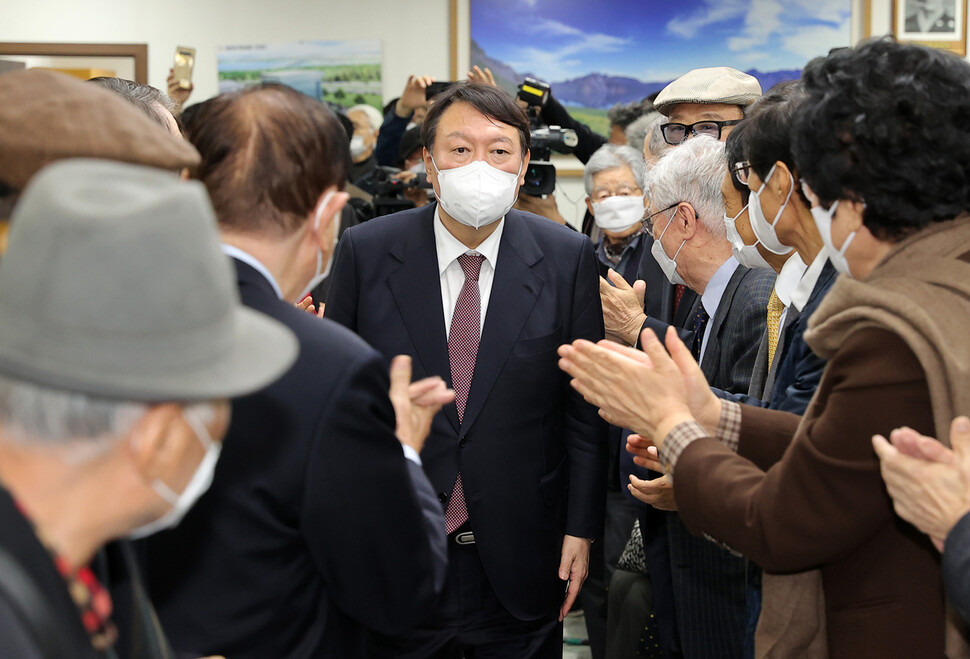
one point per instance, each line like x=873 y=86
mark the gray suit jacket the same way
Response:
x=709 y=583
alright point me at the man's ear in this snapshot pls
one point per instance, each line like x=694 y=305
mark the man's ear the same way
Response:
x=329 y=203
x=525 y=166
x=150 y=446
x=589 y=205
x=686 y=218
x=783 y=179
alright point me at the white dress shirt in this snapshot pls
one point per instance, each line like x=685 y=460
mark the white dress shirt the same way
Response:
x=711 y=299
x=791 y=273
x=803 y=290
x=451 y=275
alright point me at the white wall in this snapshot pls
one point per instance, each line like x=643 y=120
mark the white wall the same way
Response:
x=415 y=34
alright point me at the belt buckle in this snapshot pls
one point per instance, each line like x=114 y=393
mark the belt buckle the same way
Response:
x=466 y=538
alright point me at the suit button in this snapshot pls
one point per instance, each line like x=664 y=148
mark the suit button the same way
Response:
x=462 y=442
x=442 y=497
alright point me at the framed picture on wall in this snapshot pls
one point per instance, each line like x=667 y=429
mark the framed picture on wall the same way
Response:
x=936 y=23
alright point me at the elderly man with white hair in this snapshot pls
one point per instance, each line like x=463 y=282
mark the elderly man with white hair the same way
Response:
x=685 y=217
x=367 y=122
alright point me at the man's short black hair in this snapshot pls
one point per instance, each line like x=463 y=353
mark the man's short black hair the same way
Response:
x=490 y=101
x=888 y=124
x=767 y=137
x=734 y=152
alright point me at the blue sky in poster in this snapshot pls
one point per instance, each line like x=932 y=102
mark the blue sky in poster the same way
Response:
x=651 y=40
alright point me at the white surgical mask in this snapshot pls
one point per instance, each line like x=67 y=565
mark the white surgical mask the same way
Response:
x=418 y=168
x=746 y=255
x=618 y=213
x=477 y=194
x=763 y=230
x=197 y=486
x=357 y=146
x=410 y=125
x=823 y=220
x=668 y=264
x=322 y=274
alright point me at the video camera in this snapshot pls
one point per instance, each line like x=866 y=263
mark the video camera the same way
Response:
x=540 y=178
x=388 y=190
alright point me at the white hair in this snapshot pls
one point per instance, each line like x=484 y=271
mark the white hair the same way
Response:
x=657 y=143
x=637 y=132
x=38 y=415
x=373 y=114
x=611 y=156
x=692 y=173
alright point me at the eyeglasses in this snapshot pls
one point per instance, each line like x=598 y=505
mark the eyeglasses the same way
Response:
x=741 y=171
x=676 y=133
x=647 y=222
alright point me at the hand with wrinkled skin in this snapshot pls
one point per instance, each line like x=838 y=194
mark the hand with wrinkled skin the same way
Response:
x=929 y=483
x=622 y=308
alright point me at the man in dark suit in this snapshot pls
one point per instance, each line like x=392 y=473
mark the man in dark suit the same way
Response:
x=92 y=446
x=482 y=296
x=316 y=525
x=686 y=221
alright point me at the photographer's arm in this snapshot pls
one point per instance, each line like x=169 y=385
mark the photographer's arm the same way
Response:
x=554 y=114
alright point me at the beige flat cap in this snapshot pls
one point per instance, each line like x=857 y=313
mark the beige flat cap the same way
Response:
x=47 y=116
x=719 y=84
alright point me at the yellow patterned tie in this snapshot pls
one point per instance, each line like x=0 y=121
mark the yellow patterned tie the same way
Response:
x=775 y=308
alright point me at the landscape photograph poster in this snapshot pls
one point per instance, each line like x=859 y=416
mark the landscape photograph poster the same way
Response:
x=343 y=72
x=598 y=54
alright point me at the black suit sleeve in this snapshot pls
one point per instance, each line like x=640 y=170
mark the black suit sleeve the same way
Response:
x=660 y=329
x=554 y=114
x=342 y=300
x=358 y=514
x=586 y=446
x=956 y=567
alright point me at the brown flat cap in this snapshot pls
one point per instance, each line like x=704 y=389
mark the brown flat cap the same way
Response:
x=719 y=84
x=47 y=116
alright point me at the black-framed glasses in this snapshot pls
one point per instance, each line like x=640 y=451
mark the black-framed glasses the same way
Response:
x=741 y=171
x=674 y=134
x=647 y=222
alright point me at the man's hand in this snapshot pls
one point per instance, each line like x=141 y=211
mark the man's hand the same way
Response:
x=574 y=568
x=657 y=492
x=932 y=490
x=484 y=77
x=413 y=96
x=306 y=304
x=544 y=206
x=177 y=93
x=622 y=308
x=415 y=404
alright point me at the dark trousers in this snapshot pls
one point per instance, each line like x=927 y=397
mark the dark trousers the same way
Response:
x=470 y=622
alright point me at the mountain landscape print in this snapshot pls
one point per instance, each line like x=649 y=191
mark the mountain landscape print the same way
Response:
x=598 y=54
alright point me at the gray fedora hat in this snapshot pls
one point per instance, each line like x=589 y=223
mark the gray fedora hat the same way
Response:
x=114 y=285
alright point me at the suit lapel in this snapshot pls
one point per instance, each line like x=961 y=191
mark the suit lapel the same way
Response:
x=416 y=287
x=515 y=289
x=712 y=354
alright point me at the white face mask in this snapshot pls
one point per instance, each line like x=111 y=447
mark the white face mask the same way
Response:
x=823 y=220
x=357 y=146
x=746 y=255
x=200 y=482
x=618 y=213
x=668 y=264
x=418 y=168
x=763 y=230
x=477 y=194
x=321 y=275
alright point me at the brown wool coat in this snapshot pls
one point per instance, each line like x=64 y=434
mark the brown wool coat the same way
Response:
x=818 y=501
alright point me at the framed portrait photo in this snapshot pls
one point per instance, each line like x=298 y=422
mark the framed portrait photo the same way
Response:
x=936 y=23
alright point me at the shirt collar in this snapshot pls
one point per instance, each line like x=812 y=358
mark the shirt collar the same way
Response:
x=714 y=291
x=803 y=291
x=450 y=248
x=791 y=273
x=250 y=260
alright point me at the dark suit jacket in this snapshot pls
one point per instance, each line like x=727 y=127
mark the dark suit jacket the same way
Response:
x=709 y=583
x=956 y=567
x=29 y=581
x=532 y=452
x=791 y=382
x=314 y=526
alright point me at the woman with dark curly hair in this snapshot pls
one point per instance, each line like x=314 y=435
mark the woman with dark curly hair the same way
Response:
x=882 y=143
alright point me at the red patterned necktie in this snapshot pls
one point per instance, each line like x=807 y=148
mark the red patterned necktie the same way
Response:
x=462 y=352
